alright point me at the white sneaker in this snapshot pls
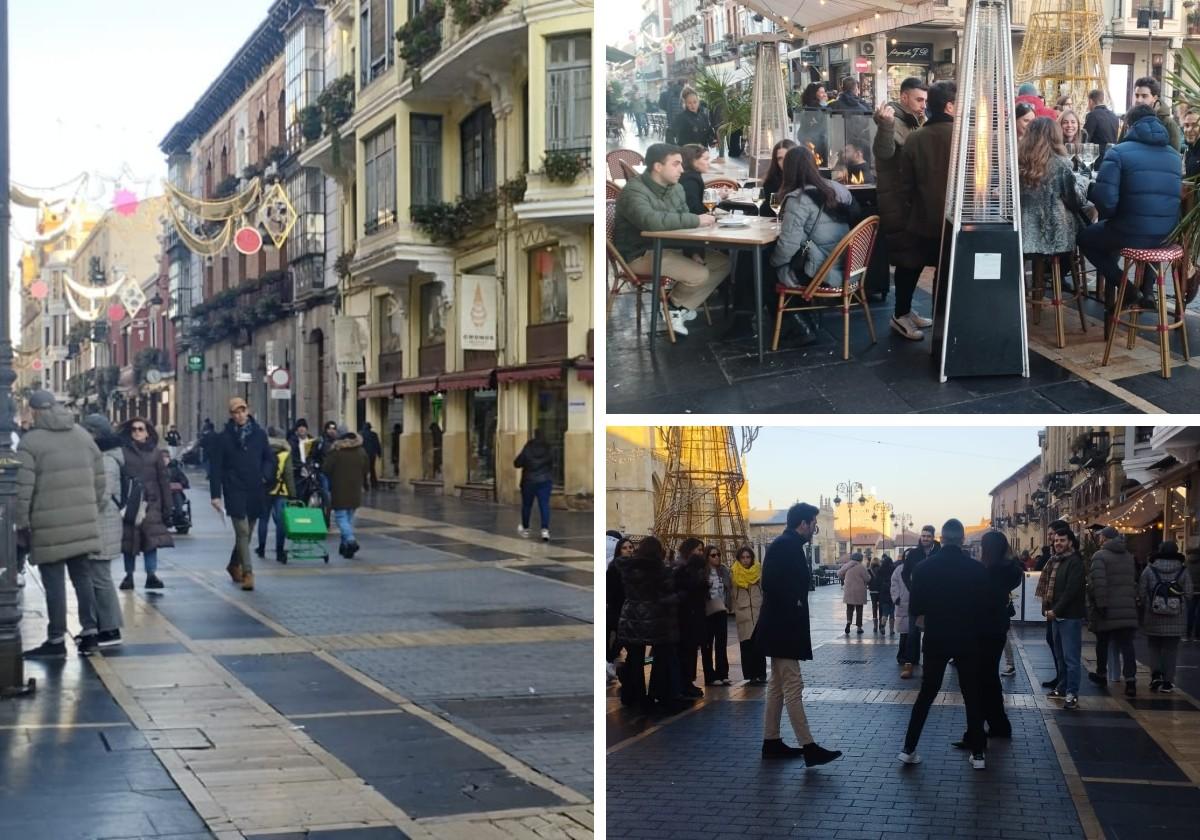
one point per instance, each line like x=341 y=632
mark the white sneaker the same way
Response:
x=977 y=761
x=546 y=535
x=905 y=328
x=919 y=322
x=909 y=758
x=685 y=313
x=523 y=531
x=1008 y=672
x=677 y=323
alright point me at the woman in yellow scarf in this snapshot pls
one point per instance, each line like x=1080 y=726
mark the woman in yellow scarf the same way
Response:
x=747 y=603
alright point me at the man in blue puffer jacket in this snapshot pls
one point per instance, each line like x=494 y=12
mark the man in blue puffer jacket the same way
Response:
x=1137 y=195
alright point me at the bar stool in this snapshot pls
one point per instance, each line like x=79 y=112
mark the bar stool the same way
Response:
x=1170 y=256
x=1037 y=301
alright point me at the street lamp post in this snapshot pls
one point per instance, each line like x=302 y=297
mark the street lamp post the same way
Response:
x=12 y=667
x=849 y=488
x=883 y=509
x=903 y=521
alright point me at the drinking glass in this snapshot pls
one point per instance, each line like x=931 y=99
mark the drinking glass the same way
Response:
x=710 y=199
x=776 y=201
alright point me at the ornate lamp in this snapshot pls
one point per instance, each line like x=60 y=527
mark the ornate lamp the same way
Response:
x=981 y=325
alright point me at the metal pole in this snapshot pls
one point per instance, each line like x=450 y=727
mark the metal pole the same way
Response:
x=12 y=667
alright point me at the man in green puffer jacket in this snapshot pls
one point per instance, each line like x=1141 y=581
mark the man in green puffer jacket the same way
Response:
x=1112 y=607
x=655 y=201
x=60 y=485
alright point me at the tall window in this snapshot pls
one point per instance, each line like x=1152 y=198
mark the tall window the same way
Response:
x=547 y=286
x=569 y=92
x=433 y=326
x=479 y=152
x=379 y=154
x=241 y=150
x=425 y=133
x=260 y=138
x=376 y=48
x=304 y=65
x=306 y=191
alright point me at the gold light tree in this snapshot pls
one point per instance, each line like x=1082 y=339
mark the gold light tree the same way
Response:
x=1061 y=51
x=701 y=491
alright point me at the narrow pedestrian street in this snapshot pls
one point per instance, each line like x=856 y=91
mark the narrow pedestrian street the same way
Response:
x=1116 y=767
x=437 y=686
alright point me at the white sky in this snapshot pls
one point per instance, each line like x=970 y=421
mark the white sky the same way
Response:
x=94 y=86
x=617 y=18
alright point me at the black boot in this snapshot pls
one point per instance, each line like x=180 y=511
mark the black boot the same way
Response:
x=775 y=748
x=815 y=755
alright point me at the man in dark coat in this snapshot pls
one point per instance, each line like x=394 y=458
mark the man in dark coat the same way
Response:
x=924 y=168
x=243 y=467
x=1136 y=193
x=896 y=121
x=374 y=449
x=782 y=633
x=1112 y=606
x=690 y=580
x=1101 y=124
x=1066 y=611
x=848 y=100
x=950 y=596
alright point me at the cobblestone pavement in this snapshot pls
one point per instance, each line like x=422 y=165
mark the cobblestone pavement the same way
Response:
x=437 y=686
x=1115 y=768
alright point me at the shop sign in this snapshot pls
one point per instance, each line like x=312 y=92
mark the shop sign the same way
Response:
x=811 y=56
x=862 y=64
x=477 y=312
x=195 y=363
x=239 y=370
x=907 y=53
x=347 y=346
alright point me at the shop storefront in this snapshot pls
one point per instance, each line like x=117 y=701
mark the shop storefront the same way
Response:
x=905 y=59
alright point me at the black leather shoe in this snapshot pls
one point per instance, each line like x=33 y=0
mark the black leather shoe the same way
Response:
x=775 y=748
x=815 y=755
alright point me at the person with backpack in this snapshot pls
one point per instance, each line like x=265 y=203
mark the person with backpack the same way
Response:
x=146 y=498
x=278 y=493
x=536 y=463
x=1165 y=588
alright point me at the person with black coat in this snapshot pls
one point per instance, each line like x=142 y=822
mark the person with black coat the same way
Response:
x=913 y=558
x=783 y=634
x=614 y=599
x=1067 y=608
x=949 y=596
x=1003 y=576
x=648 y=619
x=536 y=462
x=243 y=467
x=691 y=124
x=773 y=183
x=374 y=449
x=1100 y=124
x=142 y=461
x=690 y=582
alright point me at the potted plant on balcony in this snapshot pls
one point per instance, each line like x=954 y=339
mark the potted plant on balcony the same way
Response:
x=421 y=38
x=563 y=166
x=310 y=123
x=470 y=12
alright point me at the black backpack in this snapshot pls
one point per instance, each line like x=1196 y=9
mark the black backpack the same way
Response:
x=1166 y=596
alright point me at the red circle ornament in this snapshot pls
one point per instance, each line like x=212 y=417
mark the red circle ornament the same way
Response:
x=36 y=364
x=248 y=240
x=38 y=289
x=116 y=312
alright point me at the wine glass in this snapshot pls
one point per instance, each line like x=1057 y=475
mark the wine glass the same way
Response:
x=757 y=197
x=776 y=201
x=1089 y=154
x=710 y=199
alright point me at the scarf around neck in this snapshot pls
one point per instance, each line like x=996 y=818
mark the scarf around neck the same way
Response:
x=744 y=578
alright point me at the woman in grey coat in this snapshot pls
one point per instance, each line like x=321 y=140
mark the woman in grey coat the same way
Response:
x=140 y=446
x=1165 y=622
x=108 y=609
x=1048 y=191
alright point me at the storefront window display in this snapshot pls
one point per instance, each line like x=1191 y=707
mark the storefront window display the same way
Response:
x=481 y=436
x=547 y=286
x=431 y=436
x=549 y=413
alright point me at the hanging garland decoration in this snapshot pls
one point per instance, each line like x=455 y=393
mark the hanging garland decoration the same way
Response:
x=92 y=314
x=94 y=292
x=199 y=245
x=221 y=209
x=224 y=211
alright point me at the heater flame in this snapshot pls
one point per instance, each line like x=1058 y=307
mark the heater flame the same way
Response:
x=816 y=157
x=858 y=178
x=982 y=145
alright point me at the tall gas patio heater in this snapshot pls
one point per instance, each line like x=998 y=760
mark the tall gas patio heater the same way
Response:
x=768 y=116
x=981 y=327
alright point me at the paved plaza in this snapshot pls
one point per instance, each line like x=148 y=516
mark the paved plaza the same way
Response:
x=1115 y=768
x=437 y=686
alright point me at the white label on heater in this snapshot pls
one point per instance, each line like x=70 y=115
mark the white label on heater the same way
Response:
x=987 y=266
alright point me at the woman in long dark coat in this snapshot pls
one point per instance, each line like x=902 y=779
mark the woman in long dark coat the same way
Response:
x=648 y=619
x=139 y=444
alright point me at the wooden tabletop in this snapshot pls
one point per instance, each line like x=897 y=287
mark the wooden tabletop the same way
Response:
x=757 y=232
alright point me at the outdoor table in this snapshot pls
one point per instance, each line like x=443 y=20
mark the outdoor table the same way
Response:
x=754 y=237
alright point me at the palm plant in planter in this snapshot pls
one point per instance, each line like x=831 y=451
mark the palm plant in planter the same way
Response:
x=714 y=89
x=738 y=113
x=1186 y=81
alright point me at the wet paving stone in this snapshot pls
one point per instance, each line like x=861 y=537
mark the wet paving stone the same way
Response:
x=490 y=619
x=1111 y=745
x=578 y=577
x=301 y=684
x=376 y=833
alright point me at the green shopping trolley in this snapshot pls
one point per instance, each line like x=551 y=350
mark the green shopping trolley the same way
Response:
x=306 y=532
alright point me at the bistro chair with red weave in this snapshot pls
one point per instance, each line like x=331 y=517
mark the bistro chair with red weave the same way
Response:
x=853 y=254
x=611 y=191
x=1170 y=257
x=616 y=157
x=625 y=277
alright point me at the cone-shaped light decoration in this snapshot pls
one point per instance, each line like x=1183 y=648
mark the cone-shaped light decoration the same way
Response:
x=981 y=296
x=768 y=116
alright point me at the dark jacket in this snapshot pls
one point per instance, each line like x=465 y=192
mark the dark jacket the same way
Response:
x=693 y=191
x=782 y=629
x=951 y=591
x=243 y=468
x=691 y=582
x=850 y=104
x=1112 y=587
x=645 y=205
x=881 y=581
x=646 y=616
x=614 y=595
x=1137 y=188
x=1101 y=126
x=887 y=148
x=144 y=462
x=913 y=558
x=1003 y=578
x=691 y=127
x=347 y=466
x=924 y=168
x=1191 y=159
x=1069 y=577
x=371 y=444
x=536 y=463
